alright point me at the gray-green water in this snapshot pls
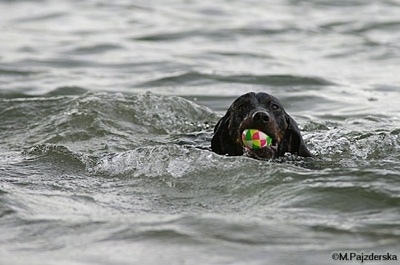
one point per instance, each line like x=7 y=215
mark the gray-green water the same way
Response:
x=106 y=115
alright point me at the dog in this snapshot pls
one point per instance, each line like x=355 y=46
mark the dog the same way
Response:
x=263 y=112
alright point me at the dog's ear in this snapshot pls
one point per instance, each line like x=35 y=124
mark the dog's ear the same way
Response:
x=294 y=140
x=222 y=142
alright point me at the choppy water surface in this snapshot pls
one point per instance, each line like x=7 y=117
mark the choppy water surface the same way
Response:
x=106 y=115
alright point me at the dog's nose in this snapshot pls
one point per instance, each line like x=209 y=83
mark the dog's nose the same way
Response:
x=261 y=116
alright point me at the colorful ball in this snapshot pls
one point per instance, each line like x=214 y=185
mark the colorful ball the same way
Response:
x=255 y=139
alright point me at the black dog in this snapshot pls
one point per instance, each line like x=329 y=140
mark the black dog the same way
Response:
x=263 y=112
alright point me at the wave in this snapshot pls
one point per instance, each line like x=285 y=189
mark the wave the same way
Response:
x=363 y=142
x=196 y=78
x=15 y=72
x=220 y=34
x=98 y=122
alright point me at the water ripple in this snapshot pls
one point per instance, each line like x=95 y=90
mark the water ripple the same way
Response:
x=196 y=78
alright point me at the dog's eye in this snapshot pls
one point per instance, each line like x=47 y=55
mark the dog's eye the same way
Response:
x=275 y=106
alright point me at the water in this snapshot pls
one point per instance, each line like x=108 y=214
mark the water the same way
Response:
x=107 y=110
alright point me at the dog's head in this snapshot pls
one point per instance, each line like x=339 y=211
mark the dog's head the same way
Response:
x=263 y=112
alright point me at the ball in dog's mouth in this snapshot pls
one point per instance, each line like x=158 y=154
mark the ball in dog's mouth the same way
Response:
x=258 y=144
x=255 y=139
